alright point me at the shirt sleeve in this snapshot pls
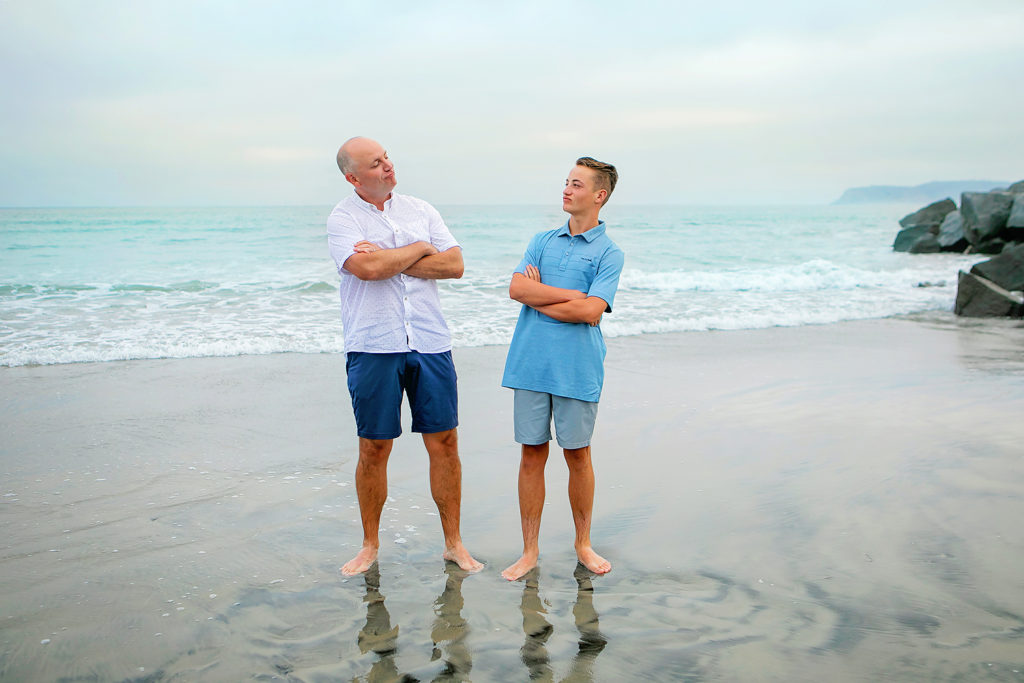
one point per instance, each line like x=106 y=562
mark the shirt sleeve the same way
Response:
x=342 y=234
x=440 y=236
x=532 y=255
x=606 y=281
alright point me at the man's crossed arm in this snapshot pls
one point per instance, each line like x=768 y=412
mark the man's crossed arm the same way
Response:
x=419 y=259
x=566 y=305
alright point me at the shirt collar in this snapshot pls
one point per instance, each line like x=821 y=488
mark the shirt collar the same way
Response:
x=589 y=235
x=367 y=205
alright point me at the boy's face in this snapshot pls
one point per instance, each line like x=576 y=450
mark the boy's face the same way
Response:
x=581 y=192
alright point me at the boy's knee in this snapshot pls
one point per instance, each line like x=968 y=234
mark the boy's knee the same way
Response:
x=577 y=457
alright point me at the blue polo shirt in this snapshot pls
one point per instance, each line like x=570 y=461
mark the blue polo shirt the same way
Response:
x=564 y=359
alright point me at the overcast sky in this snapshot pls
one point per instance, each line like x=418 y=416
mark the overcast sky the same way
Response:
x=116 y=102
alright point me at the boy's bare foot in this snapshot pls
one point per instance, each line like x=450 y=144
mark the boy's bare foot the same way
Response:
x=592 y=561
x=363 y=560
x=460 y=556
x=521 y=567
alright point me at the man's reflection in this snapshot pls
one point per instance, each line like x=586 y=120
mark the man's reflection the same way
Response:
x=377 y=635
x=538 y=629
x=450 y=629
x=448 y=634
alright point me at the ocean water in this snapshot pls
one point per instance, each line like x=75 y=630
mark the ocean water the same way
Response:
x=105 y=284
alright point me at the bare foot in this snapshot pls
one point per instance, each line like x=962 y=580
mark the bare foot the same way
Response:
x=522 y=567
x=592 y=561
x=363 y=560
x=460 y=556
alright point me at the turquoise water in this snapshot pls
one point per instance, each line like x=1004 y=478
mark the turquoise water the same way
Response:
x=103 y=284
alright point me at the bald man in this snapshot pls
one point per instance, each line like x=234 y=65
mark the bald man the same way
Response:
x=390 y=249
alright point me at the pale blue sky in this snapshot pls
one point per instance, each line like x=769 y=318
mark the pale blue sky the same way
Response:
x=195 y=103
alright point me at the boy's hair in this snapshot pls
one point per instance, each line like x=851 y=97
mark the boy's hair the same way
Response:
x=606 y=174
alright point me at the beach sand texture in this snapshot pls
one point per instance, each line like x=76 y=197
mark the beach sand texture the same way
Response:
x=838 y=503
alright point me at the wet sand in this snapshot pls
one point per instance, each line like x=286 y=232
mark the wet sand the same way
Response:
x=839 y=503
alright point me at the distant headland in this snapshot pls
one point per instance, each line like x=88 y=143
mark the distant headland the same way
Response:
x=923 y=194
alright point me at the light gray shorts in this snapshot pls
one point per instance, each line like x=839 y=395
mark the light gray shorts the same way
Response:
x=574 y=419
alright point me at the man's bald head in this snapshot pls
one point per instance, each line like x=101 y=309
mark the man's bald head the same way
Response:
x=345 y=161
x=367 y=167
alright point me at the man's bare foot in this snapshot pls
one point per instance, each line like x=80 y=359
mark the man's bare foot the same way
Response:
x=363 y=560
x=592 y=561
x=460 y=556
x=521 y=568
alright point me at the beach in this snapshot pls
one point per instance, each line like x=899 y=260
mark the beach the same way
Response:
x=827 y=502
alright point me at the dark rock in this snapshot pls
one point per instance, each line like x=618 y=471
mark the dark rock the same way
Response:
x=1005 y=270
x=1014 y=229
x=931 y=215
x=907 y=237
x=977 y=297
x=984 y=214
x=990 y=247
x=951 y=233
x=927 y=244
x=1017 y=187
x=1016 y=218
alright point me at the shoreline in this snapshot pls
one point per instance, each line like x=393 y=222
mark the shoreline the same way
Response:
x=936 y=317
x=779 y=503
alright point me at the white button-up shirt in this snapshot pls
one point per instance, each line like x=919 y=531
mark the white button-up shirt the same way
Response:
x=402 y=313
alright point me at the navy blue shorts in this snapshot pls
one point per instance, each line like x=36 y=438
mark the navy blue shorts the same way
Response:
x=376 y=382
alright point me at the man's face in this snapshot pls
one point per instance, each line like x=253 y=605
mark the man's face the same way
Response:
x=374 y=173
x=581 y=192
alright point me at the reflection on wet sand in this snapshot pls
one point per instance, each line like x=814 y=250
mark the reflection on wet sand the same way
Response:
x=377 y=635
x=450 y=629
x=538 y=629
x=448 y=633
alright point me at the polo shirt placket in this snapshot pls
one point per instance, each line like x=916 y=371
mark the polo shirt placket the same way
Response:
x=564 y=263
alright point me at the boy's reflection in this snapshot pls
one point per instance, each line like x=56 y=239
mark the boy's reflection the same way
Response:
x=448 y=633
x=537 y=629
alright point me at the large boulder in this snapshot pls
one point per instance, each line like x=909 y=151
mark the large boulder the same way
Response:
x=1017 y=187
x=977 y=297
x=931 y=215
x=1005 y=270
x=951 y=233
x=908 y=237
x=926 y=244
x=984 y=214
x=991 y=246
x=1016 y=219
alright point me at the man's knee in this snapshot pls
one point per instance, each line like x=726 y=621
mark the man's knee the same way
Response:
x=443 y=443
x=374 y=452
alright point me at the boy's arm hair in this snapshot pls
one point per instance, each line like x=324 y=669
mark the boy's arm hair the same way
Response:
x=588 y=310
x=533 y=293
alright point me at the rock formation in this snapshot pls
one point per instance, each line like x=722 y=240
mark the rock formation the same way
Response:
x=986 y=223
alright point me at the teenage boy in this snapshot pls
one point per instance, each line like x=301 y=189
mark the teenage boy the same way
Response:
x=566 y=282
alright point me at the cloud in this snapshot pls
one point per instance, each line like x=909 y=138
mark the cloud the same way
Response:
x=247 y=102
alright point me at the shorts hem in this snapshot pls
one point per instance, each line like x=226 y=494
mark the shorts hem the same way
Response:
x=376 y=437
x=571 y=447
x=432 y=429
